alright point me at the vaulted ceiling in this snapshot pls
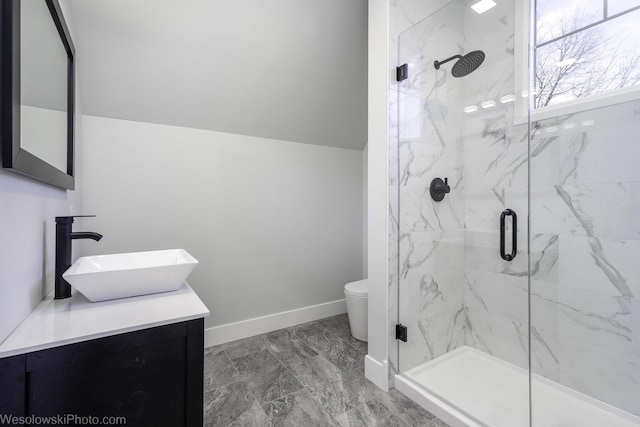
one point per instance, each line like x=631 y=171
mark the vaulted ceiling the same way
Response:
x=294 y=70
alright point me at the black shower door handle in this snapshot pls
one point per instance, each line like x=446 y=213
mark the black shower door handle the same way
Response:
x=514 y=236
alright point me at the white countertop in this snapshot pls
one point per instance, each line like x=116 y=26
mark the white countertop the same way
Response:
x=60 y=322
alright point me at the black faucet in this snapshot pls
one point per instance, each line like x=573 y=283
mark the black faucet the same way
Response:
x=64 y=235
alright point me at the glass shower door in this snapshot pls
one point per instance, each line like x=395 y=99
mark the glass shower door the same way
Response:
x=463 y=300
x=545 y=330
x=585 y=202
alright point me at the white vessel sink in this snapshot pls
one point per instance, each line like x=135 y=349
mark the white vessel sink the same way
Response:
x=105 y=277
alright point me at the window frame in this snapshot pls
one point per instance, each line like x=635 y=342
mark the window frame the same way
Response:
x=524 y=62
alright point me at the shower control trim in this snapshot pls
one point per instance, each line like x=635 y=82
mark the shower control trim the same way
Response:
x=439 y=189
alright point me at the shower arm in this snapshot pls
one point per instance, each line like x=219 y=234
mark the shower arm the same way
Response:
x=437 y=64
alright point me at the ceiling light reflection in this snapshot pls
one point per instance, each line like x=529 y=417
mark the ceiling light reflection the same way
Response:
x=488 y=103
x=482 y=6
x=507 y=98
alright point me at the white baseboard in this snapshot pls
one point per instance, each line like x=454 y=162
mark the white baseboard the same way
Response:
x=259 y=325
x=377 y=372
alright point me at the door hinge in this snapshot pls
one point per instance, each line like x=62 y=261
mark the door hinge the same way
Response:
x=402 y=72
x=401 y=333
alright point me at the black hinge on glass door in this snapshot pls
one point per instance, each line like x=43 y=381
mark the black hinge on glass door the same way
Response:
x=402 y=72
x=514 y=236
x=401 y=333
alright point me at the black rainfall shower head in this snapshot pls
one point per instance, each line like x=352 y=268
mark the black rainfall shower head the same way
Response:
x=465 y=65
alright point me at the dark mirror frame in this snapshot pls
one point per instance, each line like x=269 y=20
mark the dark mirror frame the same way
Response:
x=14 y=157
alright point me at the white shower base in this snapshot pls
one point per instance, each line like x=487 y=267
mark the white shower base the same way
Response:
x=495 y=393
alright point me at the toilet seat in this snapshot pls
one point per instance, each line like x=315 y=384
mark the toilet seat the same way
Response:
x=357 y=289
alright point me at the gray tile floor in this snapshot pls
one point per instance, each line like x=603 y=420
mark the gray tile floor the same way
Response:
x=303 y=376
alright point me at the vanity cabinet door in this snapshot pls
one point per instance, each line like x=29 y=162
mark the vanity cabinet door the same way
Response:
x=12 y=385
x=151 y=377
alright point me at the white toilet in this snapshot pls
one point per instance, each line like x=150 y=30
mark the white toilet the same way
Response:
x=357 y=297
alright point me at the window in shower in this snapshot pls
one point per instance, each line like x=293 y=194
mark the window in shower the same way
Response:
x=584 y=49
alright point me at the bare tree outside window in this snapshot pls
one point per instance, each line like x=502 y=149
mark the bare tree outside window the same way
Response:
x=584 y=62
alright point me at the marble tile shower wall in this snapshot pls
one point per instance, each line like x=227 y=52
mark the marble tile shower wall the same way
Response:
x=585 y=201
x=495 y=178
x=403 y=15
x=455 y=289
x=431 y=235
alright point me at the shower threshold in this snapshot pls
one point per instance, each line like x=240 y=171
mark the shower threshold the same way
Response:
x=467 y=387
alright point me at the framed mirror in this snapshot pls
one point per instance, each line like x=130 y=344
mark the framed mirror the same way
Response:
x=37 y=91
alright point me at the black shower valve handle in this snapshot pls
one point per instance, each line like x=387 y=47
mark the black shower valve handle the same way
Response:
x=439 y=188
x=444 y=188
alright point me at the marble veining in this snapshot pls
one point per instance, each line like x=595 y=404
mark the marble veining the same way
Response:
x=217 y=361
x=273 y=384
x=287 y=347
x=238 y=400
x=614 y=276
x=270 y=382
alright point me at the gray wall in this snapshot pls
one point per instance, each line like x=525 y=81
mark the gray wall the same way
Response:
x=234 y=130
x=275 y=225
x=365 y=213
x=293 y=70
x=27 y=233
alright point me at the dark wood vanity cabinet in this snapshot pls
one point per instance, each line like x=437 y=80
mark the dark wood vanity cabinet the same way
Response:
x=153 y=377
